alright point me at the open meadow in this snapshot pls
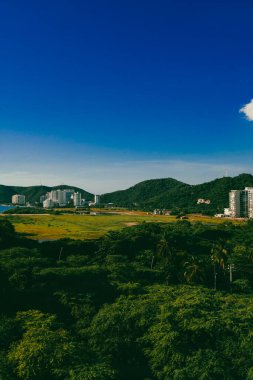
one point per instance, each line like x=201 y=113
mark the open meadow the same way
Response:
x=50 y=227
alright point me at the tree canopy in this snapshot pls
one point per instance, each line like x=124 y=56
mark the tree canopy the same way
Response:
x=150 y=302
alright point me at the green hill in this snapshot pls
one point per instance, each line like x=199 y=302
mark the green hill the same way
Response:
x=171 y=194
x=143 y=192
x=33 y=193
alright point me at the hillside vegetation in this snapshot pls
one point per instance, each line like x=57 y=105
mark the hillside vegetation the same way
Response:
x=143 y=192
x=171 y=194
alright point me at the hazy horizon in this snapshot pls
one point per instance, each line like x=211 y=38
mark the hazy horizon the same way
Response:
x=113 y=186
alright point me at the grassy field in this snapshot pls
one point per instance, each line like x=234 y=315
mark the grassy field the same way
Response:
x=46 y=227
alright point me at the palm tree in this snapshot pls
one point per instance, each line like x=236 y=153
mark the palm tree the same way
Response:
x=168 y=257
x=164 y=250
x=220 y=253
x=194 y=270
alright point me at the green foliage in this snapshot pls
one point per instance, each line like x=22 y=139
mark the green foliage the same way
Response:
x=6 y=229
x=200 y=335
x=81 y=306
x=9 y=331
x=93 y=372
x=7 y=233
x=28 y=210
x=114 y=334
x=242 y=286
x=136 y=304
x=44 y=349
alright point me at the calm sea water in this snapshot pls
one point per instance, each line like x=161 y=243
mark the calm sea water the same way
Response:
x=4 y=208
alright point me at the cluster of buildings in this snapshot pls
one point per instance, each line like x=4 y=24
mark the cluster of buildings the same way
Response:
x=62 y=198
x=203 y=201
x=58 y=198
x=240 y=202
x=158 y=211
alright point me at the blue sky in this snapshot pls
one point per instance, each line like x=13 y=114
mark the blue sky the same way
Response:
x=103 y=94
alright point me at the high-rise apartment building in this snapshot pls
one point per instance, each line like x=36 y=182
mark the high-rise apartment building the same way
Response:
x=96 y=199
x=61 y=198
x=54 y=196
x=249 y=191
x=18 y=199
x=77 y=199
x=241 y=203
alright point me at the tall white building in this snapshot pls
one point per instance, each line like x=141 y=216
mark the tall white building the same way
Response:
x=53 y=195
x=241 y=203
x=96 y=199
x=61 y=198
x=234 y=203
x=249 y=191
x=77 y=199
x=18 y=199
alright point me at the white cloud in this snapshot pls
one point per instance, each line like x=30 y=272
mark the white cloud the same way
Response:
x=247 y=109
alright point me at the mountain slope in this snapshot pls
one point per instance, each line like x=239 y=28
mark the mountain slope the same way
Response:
x=172 y=194
x=142 y=192
x=217 y=191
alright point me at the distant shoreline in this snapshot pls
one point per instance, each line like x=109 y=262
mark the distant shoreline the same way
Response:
x=4 y=207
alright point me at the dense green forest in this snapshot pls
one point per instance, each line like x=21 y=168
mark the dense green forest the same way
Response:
x=150 y=302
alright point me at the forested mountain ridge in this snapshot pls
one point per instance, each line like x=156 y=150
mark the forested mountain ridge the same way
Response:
x=33 y=193
x=170 y=194
x=143 y=192
x=164 y=193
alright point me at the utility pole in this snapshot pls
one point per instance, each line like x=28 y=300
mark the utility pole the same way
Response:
x=231 y=268
x=215 y=276
x=230 y=273
x=59 y=258
x=152 y=261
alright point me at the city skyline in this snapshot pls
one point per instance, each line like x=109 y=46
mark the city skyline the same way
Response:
x=103 y=96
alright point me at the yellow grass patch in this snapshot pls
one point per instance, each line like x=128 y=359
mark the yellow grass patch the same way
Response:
x=44 y=227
